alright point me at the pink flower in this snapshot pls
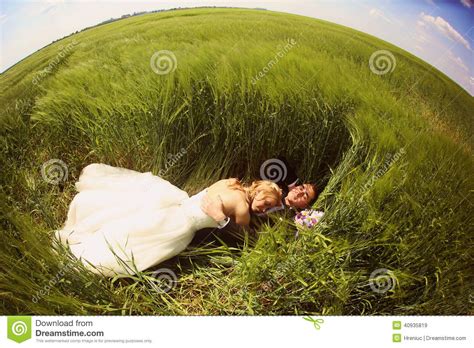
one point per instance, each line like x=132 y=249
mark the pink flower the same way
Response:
x=308 y=217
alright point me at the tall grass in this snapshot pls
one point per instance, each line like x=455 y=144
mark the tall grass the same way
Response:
x=392 y=152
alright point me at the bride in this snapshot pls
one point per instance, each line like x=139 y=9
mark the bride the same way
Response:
x=122 y=221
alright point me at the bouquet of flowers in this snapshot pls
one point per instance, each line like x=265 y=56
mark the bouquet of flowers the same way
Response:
x=308 y=217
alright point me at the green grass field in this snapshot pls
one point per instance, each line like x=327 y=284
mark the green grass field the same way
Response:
x=392 y=151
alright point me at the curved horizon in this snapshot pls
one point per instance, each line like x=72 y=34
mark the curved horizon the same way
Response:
x=443 y=43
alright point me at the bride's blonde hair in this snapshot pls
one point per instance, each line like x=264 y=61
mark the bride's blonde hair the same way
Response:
x=269 y=188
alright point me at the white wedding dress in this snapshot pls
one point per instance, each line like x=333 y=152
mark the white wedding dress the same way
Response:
x=122 y=221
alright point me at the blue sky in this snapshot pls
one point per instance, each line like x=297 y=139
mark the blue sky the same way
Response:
x=439 y=32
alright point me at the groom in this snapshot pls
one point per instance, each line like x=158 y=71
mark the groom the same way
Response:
x=296 y=195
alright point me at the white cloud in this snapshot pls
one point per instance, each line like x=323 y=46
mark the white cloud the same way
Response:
x=421 y=38
x=457 y=60
x=467 y=3
x=375 y=12
x=47 y=6
x=432 y=3
x=444 y=27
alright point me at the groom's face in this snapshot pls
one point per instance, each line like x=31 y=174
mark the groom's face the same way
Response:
x=300 y=196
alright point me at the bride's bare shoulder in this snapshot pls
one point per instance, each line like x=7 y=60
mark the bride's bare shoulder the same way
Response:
x=230 y=181
x=229 y=191
x=226 y=183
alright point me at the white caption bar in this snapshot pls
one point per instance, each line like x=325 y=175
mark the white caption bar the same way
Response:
x=228 y=332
